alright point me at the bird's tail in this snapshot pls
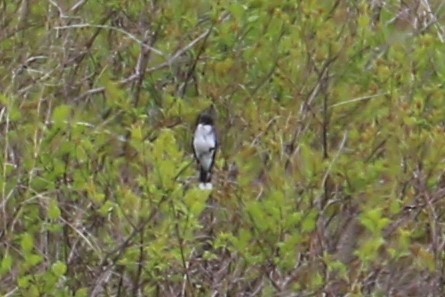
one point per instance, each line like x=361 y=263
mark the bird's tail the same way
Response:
x=204 y=176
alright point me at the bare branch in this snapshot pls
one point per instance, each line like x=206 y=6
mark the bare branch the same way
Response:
x=357 y=99
x=129 y=35
x=77 y=5
x=55 y=4
x=180 y=52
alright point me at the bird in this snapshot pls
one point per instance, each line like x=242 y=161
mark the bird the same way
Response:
x=205 y=145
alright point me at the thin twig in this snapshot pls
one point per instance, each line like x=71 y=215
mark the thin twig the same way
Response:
x=129 y=35
x=77 y=5
x=357 y=99
x=337 y=154
x=179 y=52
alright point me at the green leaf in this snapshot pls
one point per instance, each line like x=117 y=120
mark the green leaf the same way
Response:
x=59 y=268
x=27 y=243
x=196 y=199
x=32 y=260
x=60 y=115
x=167 y=157
x=82 y=292
x=242 y=241
x=368 y=251
x=6 y=264
x=32 y=291
x=24 y=281
x=258 y=215
x=237 y=10
x=310 y=221
x=373 y=221
x=53 y=210
x=106 y=208
x=137 y=134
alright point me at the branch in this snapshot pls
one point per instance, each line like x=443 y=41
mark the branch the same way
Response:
x=169 y=61
x=77 y=5
x=180 y=52
x=357 y=99
x=129 y=35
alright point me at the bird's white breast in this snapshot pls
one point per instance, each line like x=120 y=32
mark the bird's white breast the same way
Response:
x=204 y=143
x=204 y=139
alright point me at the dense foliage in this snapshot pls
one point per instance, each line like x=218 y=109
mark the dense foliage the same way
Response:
x=329 y=179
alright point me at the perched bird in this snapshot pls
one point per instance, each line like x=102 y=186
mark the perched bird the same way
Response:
x=204 y=145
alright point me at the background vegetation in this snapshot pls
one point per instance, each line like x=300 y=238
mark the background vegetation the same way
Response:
x=329 y=181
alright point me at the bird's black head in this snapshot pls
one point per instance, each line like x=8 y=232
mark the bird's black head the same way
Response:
x=205 y=119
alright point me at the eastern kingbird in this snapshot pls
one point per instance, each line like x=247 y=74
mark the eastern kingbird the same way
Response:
x=204 y=146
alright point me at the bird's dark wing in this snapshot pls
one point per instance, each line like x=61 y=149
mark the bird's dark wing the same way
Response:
x=215 y=148
x=193 y=139
x=193 y=148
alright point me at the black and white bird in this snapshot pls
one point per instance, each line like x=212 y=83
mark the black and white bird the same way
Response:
x=205 y=144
